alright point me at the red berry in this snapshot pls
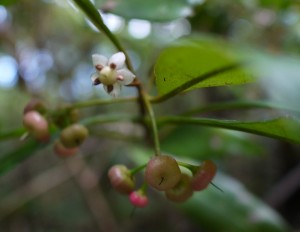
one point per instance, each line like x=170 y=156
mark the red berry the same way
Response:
x=162 y=172
x=182 y=191
x=204 y=175
x=138 y=199
x=37 y=125
x=121 y=179
x=62 y=151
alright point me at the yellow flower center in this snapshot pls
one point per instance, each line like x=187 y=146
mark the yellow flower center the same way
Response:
x=108 y=76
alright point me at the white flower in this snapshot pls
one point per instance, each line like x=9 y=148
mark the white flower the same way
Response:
x=111 y=73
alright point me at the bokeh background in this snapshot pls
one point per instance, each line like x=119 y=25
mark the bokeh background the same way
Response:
x=45 y=52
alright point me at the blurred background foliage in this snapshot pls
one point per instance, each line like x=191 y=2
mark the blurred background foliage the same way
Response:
x=45 y=52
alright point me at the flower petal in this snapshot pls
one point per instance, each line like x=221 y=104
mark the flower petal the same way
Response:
x=115 y=91
x=95 y=78
x=127 y=75
x=117 y=60
x=99 y=60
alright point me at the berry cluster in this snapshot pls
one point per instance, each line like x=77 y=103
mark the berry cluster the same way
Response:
x=163 y=173
x=36 y=120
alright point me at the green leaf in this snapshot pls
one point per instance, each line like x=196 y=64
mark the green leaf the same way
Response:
x=153 y=10
x=235 y=209
x=284 y=128
x=7 y=2
x=207 y=143
x=197 y=63
x=12 y=159
x=12 y=134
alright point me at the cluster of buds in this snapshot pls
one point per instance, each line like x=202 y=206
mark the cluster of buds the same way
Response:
x=37 y=124
x=163 y=173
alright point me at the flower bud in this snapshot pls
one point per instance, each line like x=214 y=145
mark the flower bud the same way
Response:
x=121 y=179
x=37 y=125
x=204 y=175
x=138 y=199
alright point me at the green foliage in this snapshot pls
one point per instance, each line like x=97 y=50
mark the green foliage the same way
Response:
x=188 y=61
x=281 y=128
x=267 y=82
x=232 y=210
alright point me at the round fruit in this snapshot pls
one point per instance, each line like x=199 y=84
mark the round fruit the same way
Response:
x=138 y=199
x=37 y=125
x=121 y=179
x=204 y=175
x=182 y=191
x=74 y=135
x=162 y=172
x=62 y=151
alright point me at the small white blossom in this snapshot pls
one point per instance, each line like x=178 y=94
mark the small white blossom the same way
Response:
x=111 y=73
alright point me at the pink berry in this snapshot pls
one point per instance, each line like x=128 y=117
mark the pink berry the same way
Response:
x=121 y=179
x=138 y=199
x=204 y=175
x=62 y=151
x=37 y=125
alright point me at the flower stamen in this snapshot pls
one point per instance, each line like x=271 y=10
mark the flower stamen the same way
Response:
x=113 y=66
x=99 y=67
x=120 y=78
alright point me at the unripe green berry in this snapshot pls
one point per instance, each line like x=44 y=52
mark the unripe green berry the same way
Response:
x=162 y=172
x=182 y=190
x=37 y=125
x=204 y=175
x=121 y=179
x=73 y=135
x=62 y=151
x=65 y=116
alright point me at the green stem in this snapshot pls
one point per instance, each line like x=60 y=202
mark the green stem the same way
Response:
x=150 y=111
x=137 y=169
x=99 y=102
x=93 y=14
x=89 y=9
x=108 y=119
x=192 y=168
x=143 y=188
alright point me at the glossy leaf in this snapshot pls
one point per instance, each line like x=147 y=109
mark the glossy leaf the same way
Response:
x=198 y=63
x=154 y=10
x=235 y=209
x=283 y=128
